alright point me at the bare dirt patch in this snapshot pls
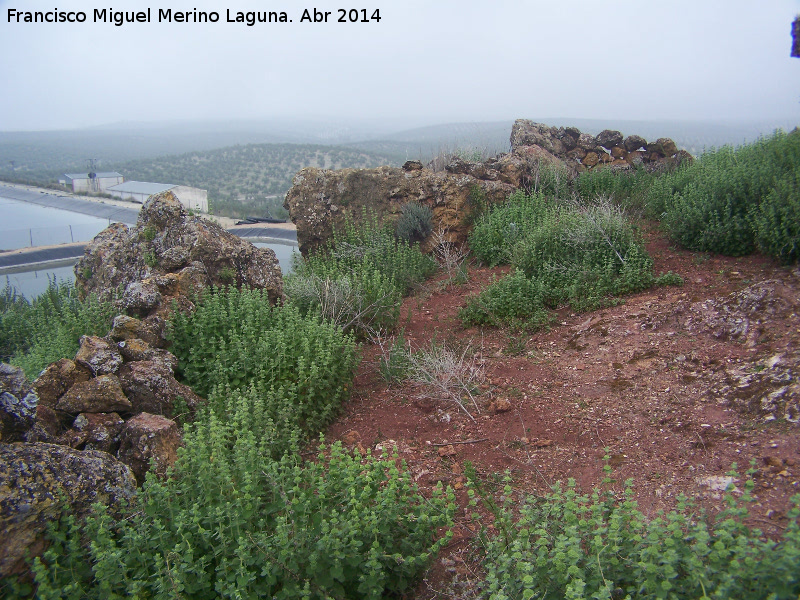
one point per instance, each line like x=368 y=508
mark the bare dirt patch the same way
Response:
x=675 y=386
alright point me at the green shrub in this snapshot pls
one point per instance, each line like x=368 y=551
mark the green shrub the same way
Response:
x=236 y=341
x=628 y=188
x=551 y=180
x=776 y=220
x=496 y=232
x=514 y=300
x=36 y=333
x=582 y=255
x=233 y=523
x=710 y=205
x=565 y=545
x=359 y=280
x=415 y=222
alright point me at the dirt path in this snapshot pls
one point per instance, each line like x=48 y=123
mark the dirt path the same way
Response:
x=676 y=385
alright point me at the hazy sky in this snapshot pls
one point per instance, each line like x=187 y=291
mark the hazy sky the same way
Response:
x=431 y=61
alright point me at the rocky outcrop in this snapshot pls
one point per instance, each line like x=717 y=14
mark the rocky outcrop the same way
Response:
x=35 y=479
x=321 y=200
x=17 y=404
x=169 y=253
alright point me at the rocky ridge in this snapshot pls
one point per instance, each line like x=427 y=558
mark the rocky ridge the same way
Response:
x=321 y=200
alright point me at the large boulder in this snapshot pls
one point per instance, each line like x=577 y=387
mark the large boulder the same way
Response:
x=167 y=241
x=321 y=200
x=38 y=482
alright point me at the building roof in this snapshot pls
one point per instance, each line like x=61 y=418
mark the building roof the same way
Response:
x=104 y=174
x=141 y=187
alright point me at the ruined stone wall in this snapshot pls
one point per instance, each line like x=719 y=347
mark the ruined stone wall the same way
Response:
x=583 y=151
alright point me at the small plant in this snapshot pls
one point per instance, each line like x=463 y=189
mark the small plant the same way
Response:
x=444 y=372
x=394 y=362
x=567 y=545
x=150 y=259
x=449 y=257
x=36 y=333
x=149 y=233
x=227 y=275
x=415 y=222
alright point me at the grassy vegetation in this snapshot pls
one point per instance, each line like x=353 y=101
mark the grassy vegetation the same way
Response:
x=360 y=279
x=567 y=545
x=243 y=515
x=731 y=201
x=35 y=333
x=582 y=255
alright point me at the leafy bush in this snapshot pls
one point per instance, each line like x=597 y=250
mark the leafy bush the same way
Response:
x=496 y=232
x=569 y=253
x=776 y=220
x=628 y=188
x=415 y=222
x=360 y=279
x=514 y=300
x=36 y=333
x=565 y=545
x=236 y=341
x=233 y=523
x=551 y=180
x=714 y=204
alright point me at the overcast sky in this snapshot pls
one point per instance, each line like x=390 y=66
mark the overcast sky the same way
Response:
x=431 y=61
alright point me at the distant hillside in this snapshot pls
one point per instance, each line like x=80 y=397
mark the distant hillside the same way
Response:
x=251 y=179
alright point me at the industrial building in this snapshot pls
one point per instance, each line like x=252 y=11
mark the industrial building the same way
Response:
x=82 y=183
x=191 y=198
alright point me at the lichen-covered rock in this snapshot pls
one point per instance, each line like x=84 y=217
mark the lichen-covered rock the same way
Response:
x=48 y=425
x=165 y=240
x=57 y=378
x=34 y=478
x=99 y=395
x=128 y=328
x=608 y=139
x=99 y=355
x=149 y=439
x=151 y=387
x=17 y=404
x=634 y=142
x=139 y=350
x=141 y=297
x=96 y=431
x=322 y=200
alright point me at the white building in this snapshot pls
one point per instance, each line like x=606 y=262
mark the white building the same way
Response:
x=83 y=182
x=192 y=198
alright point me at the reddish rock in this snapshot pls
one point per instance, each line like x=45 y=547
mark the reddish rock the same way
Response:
x=99 y=355
x=591 y=159
x=99 y=431
x=101 y=395
x=608 y=138
x=619 y=152
x=146 y=438
x=166 y=238
x=47 y=426
x=605 y=158
x=634 y=142
x=139 y=350
x=668 y=147
x=576 y=154
x=57 y=378
x=127 y=328
x=151 y=387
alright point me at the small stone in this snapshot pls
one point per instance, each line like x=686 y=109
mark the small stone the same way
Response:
x=501 y=405
x=448 y=450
